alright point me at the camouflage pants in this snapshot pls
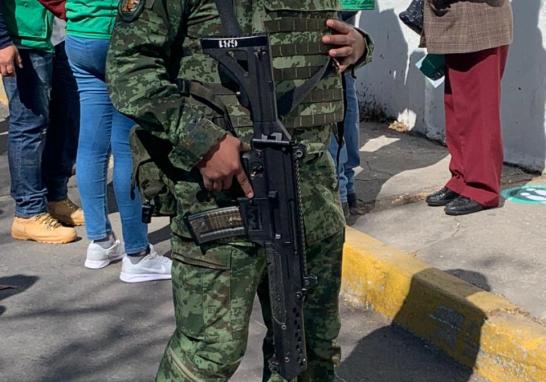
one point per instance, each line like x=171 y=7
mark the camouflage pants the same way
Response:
x=214 y=289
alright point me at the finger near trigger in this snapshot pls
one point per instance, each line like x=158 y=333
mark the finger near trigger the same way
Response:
x=207 y=183
x=245 y=184
x=227 y=183
x=217 y=185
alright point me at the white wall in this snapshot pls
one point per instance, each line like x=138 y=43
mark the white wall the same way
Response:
x=392 y=85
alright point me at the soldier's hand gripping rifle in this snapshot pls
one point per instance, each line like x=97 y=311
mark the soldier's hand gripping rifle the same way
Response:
x=273 y=217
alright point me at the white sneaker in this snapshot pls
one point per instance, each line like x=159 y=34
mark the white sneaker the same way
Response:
x=98 y=257
x=150 y=267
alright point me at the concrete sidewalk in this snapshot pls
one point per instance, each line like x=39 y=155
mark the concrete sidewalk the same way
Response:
x=400 y=275
x=499 y=250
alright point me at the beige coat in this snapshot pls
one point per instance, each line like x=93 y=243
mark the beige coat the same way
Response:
x=464 y=26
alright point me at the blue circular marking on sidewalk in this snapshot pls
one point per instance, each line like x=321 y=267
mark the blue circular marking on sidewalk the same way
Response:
x=529 y=194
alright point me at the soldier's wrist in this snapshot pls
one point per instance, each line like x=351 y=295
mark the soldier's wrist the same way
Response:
x=366 y=55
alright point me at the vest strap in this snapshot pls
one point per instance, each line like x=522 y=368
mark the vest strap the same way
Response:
x=296 y=122
x=295 y=24
x=297 y=49
x=288 y=74
x=313 y=120
x=324 y=95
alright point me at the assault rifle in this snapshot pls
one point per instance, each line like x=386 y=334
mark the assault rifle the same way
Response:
x=273 y=217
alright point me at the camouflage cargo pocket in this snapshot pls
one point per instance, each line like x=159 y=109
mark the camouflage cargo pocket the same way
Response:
x=147 y=175
x=322 y=213
x=214 y=289
x=201 y=300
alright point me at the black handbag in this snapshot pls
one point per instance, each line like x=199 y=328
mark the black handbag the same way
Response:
x=413 y=16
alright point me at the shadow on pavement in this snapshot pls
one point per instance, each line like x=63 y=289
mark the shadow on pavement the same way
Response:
x=12 y=285
x=396 y=152
x=162 y=234
x=391 y=159
x=370 y=362
x=471 y=277
x=99 y=331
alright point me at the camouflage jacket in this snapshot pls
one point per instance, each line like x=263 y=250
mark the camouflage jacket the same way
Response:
x=155 y=45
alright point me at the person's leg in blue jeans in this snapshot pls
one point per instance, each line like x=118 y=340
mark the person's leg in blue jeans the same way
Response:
x=62 y=140
x=349 y=157
x=28 y=93
x=134 y=230
x=104 y=130
x=351 y=132
x=97 y=129
x=351 y=135
x=340 y=161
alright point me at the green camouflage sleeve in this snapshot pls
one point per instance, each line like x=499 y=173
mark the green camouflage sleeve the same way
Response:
x=141 y=69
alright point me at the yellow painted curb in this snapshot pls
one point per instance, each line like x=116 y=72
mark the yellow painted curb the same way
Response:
x=475 y=327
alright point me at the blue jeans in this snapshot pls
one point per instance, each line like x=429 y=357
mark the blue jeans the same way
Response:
x=103 y=130
x=350 y=151
x=64 y=127
x=33 y=162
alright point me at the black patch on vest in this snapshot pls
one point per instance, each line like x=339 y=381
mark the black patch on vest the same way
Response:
x=129 y=10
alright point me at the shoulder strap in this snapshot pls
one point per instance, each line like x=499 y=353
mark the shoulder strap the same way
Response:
x=230 y=25
x=289 y=100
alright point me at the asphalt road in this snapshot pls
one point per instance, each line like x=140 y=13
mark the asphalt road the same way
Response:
x=60 y=322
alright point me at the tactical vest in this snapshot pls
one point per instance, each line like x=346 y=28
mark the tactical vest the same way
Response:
x=295 y=28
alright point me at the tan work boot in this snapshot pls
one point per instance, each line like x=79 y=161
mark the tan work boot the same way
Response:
x=66 y=212
x=42 y=228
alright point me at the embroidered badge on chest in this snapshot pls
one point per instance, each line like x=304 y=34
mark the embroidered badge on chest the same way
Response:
x=129 y=10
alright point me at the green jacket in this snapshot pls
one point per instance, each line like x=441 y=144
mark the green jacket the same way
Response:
x=28 y=22
x=91 y=19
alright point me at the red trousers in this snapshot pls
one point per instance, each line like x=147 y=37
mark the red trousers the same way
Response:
x=472 y=102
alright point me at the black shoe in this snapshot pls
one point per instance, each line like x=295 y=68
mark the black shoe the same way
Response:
x=356 y=206
x=463 y=206
x=441 y=198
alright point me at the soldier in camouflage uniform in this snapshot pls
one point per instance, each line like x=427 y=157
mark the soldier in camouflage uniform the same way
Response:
x=157 y=42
